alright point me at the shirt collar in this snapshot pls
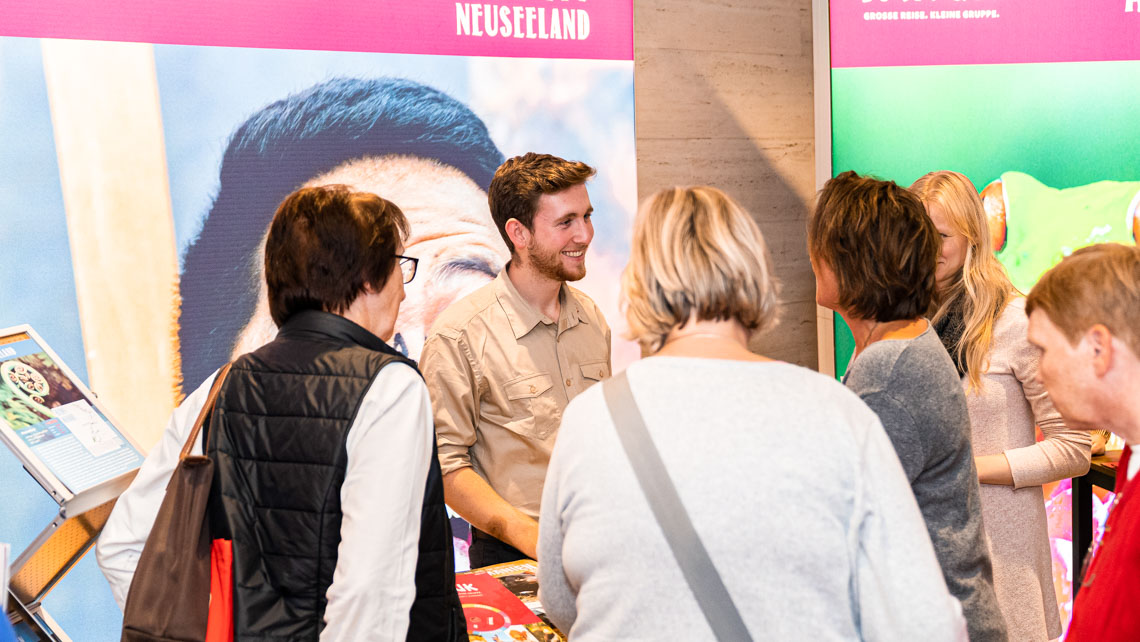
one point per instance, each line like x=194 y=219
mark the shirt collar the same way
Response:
x=523 y=317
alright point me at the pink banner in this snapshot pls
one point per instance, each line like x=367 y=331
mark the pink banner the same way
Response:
x=585 y=29
x=882 y=33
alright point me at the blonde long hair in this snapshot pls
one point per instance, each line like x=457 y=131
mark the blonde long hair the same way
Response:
x=983 y=285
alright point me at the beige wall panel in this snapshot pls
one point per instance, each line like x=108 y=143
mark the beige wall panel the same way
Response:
x=782 y=28
x=772 y=179
x=112 y=165
x=724 y=97
x=787 y=243
x=787 y=340
x=701 y=94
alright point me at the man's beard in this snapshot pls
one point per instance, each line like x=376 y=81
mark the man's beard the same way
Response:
x=550 y=265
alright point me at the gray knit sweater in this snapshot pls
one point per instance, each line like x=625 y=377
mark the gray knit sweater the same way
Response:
x=914 y=388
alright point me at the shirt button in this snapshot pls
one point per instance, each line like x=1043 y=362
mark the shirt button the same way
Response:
x=568 y=382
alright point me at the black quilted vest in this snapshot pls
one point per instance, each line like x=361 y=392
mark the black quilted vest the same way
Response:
x=278 y=443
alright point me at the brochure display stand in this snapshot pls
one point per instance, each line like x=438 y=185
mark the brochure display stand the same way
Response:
x=68 y=443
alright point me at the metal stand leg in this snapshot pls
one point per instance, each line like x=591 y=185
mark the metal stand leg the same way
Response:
x=1082 y=527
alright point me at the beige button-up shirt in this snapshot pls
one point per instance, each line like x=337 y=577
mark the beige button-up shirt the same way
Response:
x=500 y=373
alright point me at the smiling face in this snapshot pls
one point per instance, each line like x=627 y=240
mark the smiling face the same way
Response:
x=452 y=234
x=954 y=246
x=562 y=230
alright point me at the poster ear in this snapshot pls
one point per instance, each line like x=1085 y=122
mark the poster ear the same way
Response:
x=993 y=200
x=1134 y=217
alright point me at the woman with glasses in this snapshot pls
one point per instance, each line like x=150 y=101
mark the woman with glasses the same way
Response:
x=826 y=542
x=326 y=509
x=408 y=266
x=981 y=320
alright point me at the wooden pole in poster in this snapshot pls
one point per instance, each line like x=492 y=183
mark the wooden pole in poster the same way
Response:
x=112 y=164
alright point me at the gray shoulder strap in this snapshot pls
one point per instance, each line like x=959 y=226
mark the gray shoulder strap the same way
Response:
x=698 y=568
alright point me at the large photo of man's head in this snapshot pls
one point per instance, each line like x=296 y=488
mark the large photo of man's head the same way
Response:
x=410 y=143
x=424 y=132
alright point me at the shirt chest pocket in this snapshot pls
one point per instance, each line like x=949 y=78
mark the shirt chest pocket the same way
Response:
x=535 y=412
x=594 y=371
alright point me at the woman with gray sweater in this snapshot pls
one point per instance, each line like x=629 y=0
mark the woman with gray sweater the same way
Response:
x=826 y=547
x=874 y=252
x=981 y=322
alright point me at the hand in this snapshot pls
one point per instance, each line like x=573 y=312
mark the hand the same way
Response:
x=473 y=498
x=527 y=539
x=1099 y=442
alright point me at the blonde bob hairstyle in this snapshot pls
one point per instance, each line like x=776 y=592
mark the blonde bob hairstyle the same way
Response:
x=696 y=255
x=982 y=286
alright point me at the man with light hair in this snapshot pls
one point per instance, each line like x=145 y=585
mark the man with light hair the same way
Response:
x=1083 y=316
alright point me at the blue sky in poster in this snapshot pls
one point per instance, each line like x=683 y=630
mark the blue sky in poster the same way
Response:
x=39 y=289
x=39 y=285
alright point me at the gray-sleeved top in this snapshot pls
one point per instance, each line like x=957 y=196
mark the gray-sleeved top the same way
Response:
x=790 y=482
x=1003 y=411
x=914 y=388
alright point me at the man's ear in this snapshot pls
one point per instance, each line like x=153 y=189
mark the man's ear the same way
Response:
x=519 y=235
x=1099 y=339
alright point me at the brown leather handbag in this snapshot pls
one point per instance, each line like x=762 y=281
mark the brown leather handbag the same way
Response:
x=169 y=598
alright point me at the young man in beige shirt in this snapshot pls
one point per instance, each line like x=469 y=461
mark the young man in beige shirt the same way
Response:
x=502 y=363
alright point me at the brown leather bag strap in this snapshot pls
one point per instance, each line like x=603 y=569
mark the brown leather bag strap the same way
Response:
x=205 y=412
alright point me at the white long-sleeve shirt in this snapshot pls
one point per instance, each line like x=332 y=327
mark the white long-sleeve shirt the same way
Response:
x=389 y=451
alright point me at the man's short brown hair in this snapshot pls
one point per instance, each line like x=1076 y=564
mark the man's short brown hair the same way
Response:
x=877 y=239
x=1096 y=284
x=520 y=181
x=325 y=245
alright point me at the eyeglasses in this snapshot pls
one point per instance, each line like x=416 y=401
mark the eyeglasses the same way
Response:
x=408 y=267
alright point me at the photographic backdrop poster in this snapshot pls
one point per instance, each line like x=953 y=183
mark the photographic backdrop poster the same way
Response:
x=147 y=146
x=1035 y=101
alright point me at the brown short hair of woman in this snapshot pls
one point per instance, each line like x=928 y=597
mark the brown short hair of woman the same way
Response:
x=883 y=248
x=325 y=245
x=520 y=181
x=1095 y=284
x=696 y=255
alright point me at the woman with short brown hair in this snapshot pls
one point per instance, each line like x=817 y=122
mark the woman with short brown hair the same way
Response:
x=874 y=252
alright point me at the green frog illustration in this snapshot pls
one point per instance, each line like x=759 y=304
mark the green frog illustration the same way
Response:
x=1033 y=226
